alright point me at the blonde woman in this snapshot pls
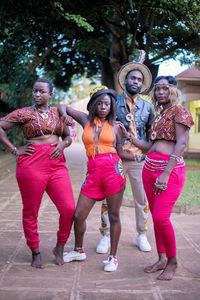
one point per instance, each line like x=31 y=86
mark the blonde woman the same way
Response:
x=164 y=169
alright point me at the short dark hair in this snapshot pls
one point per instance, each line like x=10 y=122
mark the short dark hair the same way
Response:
x=45 y=80
x=113 y=108
x=169 y=78
x=135 y=70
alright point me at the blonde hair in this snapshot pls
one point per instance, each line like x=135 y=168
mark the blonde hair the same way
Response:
x=174 y=97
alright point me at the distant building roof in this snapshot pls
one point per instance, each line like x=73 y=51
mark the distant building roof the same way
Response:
x=191 y=72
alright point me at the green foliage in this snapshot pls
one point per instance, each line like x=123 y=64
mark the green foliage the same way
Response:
x=80 y=21
x=63 y=38
x=81 y=87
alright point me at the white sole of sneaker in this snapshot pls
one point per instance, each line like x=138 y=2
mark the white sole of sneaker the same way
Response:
x=142 y=249
x=79 y=258
x=110 y=270
x=101 y=252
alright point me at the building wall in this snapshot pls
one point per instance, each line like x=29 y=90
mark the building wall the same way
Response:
x=191 y=99
x=193 y=92
x=194 y=135
x=189 y=93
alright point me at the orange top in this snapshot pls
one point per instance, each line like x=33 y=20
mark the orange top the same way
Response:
x=105 y=142
x=128 y=146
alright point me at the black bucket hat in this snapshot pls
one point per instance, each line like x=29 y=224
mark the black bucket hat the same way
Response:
x=99 y=90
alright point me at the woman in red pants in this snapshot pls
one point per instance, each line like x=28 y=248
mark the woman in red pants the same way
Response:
x=41 y=166
x=164 y=168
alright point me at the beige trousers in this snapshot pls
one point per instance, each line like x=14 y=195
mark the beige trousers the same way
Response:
x=134 y=171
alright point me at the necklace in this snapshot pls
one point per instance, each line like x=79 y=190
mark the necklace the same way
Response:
x=129 y=116
x=157 y=119
x=45 y=116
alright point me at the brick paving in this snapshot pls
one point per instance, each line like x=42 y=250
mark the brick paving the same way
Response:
x=86 y=280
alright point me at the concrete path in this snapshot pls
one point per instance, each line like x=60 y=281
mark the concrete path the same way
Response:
x=87 y=280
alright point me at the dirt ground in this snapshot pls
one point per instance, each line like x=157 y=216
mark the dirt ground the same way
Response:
x=87 y=280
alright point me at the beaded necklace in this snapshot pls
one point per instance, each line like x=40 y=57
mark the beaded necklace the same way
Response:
x=45 y=116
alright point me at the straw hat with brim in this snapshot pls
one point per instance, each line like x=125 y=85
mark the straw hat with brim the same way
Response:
x=99 y=91
x=131 y=67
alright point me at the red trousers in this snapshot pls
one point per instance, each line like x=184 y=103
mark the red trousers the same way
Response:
x=161 y=205
x=39 y=173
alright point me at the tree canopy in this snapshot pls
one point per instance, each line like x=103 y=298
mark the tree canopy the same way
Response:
x=63 y=38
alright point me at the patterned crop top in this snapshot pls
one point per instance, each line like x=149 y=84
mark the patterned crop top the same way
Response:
x=163 y=127
x=106 y=139
x=28 y=121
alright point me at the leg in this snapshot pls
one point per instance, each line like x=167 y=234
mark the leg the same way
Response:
x=161 y=218
x=83 y=208
x=105 y=224
x=104 y=243
x=134 y=171
x=114 y=203
x=148 y=181
x=32 y=188
x=60 y=191
x=163 y=205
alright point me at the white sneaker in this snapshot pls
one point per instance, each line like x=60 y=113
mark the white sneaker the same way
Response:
x=143 y=243
x=111 y=264
x=74 y=255
x=103 y=245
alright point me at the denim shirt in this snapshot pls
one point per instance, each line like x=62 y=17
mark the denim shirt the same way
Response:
x=143 y=116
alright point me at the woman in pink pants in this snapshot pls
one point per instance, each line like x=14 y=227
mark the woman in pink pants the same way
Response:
x=164 y=168
x=41 y=166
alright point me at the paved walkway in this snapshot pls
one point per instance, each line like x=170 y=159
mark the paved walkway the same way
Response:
x=86 y=280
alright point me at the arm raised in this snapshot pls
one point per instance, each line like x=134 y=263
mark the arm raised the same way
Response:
x=78 y=116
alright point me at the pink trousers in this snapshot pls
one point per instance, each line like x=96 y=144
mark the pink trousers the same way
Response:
x=161 y=205
x=36 y=174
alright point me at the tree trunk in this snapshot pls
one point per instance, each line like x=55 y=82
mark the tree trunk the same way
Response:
x=107 y=73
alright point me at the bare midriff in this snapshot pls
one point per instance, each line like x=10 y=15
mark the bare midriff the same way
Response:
x=162 y=146
x=46 y=139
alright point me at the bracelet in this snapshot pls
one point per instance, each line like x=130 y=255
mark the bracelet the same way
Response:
x=176 y=158
x=14 y=151
x=129 y=137
x=165 y=171
x=162 y=187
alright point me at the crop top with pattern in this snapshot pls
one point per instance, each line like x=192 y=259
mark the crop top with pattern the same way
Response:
x=27 y=119
x=163 y=127
x=105 y=142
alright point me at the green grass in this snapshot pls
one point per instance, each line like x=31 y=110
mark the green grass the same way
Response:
x=192 y=162
x=191 y=192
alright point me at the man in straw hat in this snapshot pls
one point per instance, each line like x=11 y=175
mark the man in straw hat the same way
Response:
x=137 y=115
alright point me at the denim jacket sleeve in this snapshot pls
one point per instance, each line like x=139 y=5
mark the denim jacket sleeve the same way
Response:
x=143 y=116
